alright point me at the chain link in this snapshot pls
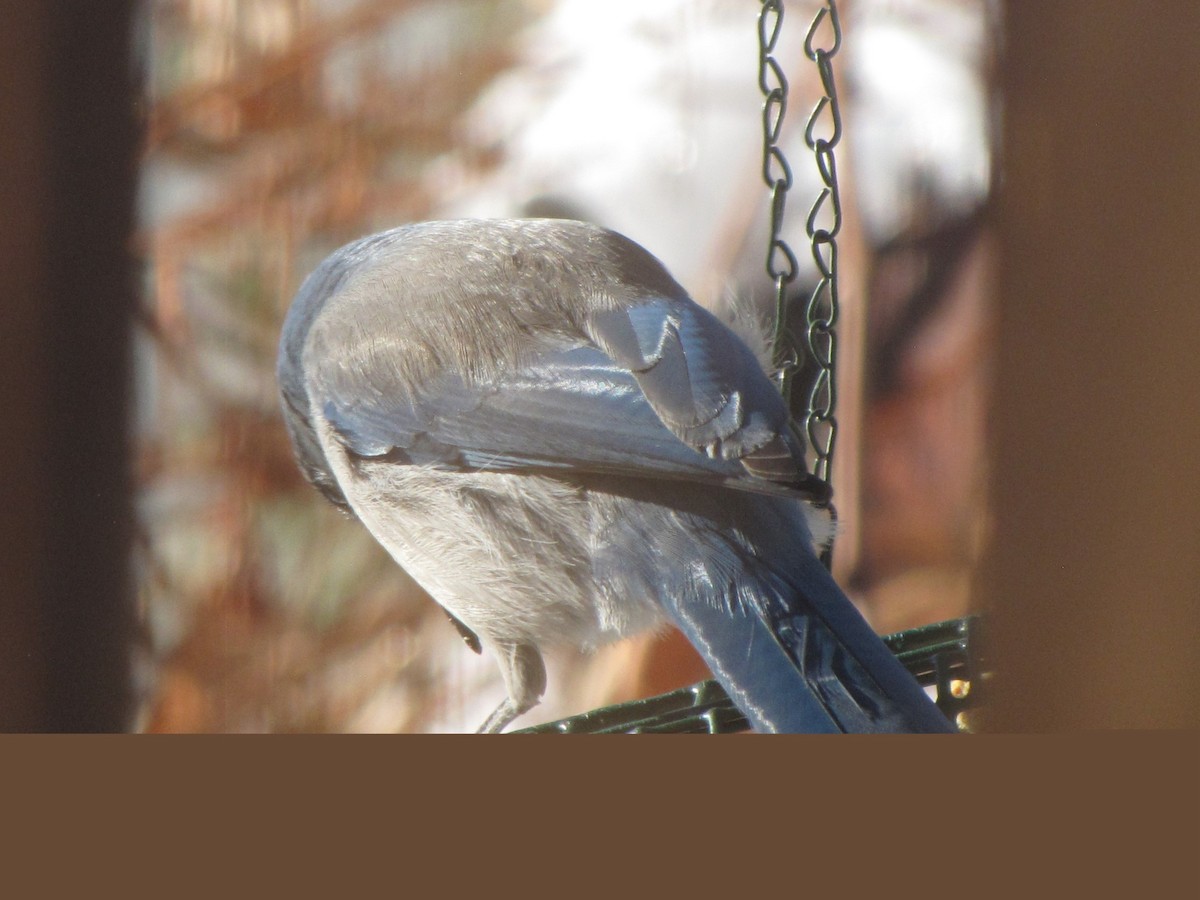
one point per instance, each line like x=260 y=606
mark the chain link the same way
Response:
x=821 y=422
x=782 y=265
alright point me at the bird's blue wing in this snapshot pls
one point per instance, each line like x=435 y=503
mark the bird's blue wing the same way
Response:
x=704 y=384
x=660 y=388
x=568 y=410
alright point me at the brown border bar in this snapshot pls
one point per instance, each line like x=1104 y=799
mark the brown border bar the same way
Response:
x=67 y=174
x=1093 y=580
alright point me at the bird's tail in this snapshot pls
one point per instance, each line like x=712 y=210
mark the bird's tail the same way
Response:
x=798 y=657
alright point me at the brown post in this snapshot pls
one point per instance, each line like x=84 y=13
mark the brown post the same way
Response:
x=1093 y=578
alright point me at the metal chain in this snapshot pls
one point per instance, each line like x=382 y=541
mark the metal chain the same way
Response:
x=822 y=312
x=782 y=265
x=820 y=424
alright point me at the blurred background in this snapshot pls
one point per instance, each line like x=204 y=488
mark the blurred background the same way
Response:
x=276 y=130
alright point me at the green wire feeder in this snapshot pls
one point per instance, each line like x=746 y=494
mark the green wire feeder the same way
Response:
x=945 y=654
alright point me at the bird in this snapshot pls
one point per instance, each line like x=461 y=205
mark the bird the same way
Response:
x=536 y=422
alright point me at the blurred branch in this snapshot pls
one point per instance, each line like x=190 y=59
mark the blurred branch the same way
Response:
x=172 y=114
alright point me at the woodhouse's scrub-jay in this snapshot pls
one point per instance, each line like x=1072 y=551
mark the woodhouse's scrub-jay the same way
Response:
x=560 y=446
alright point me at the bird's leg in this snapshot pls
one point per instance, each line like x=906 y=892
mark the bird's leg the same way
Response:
x=525 y=679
